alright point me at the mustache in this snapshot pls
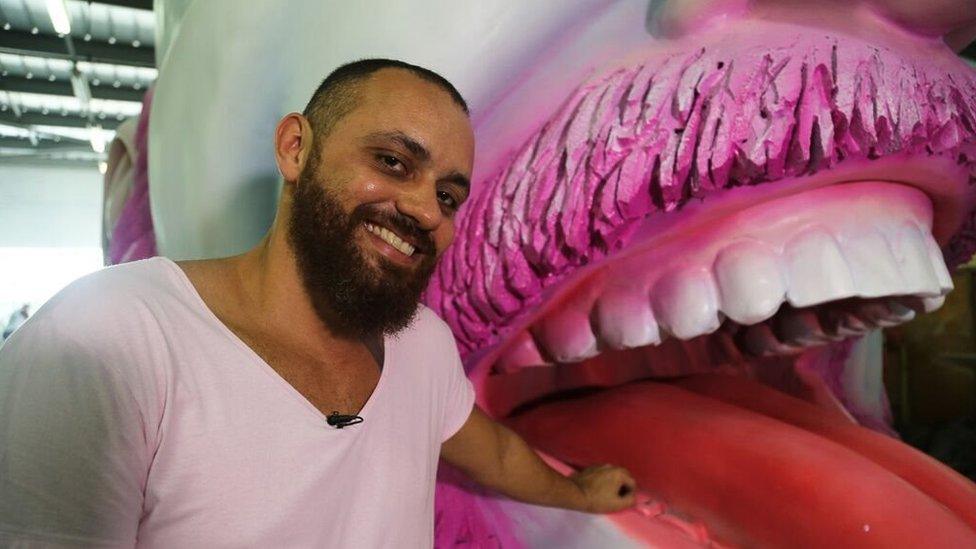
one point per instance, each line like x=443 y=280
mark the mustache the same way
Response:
x=405 y=225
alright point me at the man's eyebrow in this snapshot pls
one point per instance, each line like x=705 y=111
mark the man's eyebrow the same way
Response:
x=405 y=141
x=458 y=179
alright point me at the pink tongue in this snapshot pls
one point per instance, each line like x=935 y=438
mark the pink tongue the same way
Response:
x=753 y=479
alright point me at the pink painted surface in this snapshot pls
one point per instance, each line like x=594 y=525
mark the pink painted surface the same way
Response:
x=757 y=481
x=133 y=237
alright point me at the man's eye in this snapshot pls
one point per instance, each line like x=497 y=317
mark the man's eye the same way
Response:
x=446 y=199
x=391 y=163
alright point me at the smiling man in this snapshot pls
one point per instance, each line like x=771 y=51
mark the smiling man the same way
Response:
x=294 y=396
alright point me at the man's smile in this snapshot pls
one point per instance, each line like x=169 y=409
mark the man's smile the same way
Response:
x=393 y=245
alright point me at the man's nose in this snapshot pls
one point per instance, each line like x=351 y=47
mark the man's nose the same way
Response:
x=422 y=205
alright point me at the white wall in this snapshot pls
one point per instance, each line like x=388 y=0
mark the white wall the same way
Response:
x=50 y=206
x=50 y=219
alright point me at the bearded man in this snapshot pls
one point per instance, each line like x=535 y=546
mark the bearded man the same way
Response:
x=294 y=396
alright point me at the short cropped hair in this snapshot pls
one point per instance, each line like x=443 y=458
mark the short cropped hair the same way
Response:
x=336 y=96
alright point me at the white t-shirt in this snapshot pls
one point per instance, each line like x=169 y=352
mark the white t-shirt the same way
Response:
x=131 y=416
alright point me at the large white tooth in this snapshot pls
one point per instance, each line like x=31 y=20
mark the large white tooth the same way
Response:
x=750 y=281
x=521 y=353
x=625 y=320
x=686 y=303
x=567 y=336
x=938 y=264
x=933 y=303
x=874 y=267
x=816 y=269
x=908 y=246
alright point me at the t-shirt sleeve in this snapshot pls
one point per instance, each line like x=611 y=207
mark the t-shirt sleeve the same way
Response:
x=73 y=452
x=460 y=396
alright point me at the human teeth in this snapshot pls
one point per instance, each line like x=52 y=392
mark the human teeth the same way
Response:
x=686 y=303
x=816 y=269
x=874 y=267
x=909 y=249
x=750 y=281
x=392 y=239
x=625 y=320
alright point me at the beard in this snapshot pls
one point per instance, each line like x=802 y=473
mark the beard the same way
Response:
x=351 y=295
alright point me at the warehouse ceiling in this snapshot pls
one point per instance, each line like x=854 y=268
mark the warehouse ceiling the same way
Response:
x=63 y=94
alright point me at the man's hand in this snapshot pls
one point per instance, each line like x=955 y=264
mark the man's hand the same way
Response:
x=605 y=488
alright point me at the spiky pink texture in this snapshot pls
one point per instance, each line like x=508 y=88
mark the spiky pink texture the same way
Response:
x=644 y=139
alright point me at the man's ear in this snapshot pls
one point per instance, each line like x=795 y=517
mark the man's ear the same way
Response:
x=293 y=145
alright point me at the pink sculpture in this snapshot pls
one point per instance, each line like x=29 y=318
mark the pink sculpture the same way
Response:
x=133 y=237
x=730 y=188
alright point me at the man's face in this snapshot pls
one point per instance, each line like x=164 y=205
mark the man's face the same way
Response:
x=374 y=206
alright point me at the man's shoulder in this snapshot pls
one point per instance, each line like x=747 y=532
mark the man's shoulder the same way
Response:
x=108 y=298
x=112 y=284
x=102 y=320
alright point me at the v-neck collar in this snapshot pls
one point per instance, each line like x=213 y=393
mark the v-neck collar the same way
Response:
x=263 y=364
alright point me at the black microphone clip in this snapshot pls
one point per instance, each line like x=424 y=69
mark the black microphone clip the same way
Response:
x=339 y=421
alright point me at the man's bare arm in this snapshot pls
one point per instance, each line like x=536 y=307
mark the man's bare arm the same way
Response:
x=497 y=458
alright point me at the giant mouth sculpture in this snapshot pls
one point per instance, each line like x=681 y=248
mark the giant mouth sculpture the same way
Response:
x=756 y=195
x=743 y=199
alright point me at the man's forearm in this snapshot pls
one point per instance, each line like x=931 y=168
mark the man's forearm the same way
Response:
x=524 y=476
x=499 y=459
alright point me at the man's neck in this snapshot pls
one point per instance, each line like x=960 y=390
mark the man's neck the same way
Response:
x=269 y=297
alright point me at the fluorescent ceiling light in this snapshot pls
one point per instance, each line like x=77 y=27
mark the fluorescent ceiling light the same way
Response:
x=59 y=16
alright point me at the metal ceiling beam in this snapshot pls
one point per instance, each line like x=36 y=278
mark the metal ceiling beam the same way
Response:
x=25 y=43
x=20 y=84
x=44 y=145
x=136 y=4
x=63 y=87
x=36 y=119
x=46 y=160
